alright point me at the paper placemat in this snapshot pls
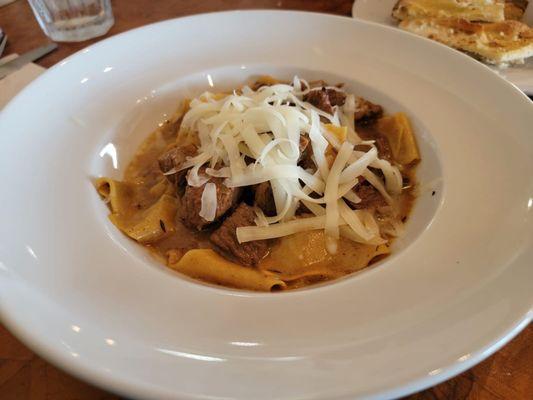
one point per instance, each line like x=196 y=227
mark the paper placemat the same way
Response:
x=18 y=80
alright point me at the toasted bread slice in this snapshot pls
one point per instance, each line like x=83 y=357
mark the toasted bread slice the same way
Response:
x=470 y=10
x=500 y=43
x=514 y=9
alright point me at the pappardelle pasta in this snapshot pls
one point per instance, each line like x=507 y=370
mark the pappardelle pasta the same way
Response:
x=273 y=186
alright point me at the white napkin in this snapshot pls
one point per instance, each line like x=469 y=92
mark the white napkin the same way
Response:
x=18 y=80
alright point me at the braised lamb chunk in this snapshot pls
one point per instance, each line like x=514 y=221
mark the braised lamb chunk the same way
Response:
x=264 y=199
x=324 y=99
x=367 y=112
x=369 y=132
x=225 y=237
x=191 y=203
x=336 y=97
x=381 y=143
x=306 y=159
x=320 y=99
x=248 y=194
x=173 y=159
x=370 y=197
x=383 y=146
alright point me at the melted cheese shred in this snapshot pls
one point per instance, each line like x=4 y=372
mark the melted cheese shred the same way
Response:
x=249 y=137
x=332 y=205
x=208 y=208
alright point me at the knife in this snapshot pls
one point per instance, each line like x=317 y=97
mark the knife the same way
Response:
x=3 y=41
x=26 y=58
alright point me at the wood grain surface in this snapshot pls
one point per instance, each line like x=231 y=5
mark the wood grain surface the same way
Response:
x=508 y=374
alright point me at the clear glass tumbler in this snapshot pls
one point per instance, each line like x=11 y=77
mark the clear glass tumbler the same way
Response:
x=73 y=20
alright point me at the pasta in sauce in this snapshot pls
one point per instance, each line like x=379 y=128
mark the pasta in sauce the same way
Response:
x=275 y=186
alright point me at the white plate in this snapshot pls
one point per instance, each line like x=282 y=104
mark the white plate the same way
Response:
x=88 y=299
x=380 y=11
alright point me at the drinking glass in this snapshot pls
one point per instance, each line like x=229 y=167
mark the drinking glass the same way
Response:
x=73 y=20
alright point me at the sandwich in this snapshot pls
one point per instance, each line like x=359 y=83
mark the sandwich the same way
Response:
x=499 y=43
x=469 y=10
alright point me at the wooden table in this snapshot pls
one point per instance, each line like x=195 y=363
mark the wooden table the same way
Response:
x=23 y=375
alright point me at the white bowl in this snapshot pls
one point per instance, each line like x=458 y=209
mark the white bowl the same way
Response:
x=80 y=294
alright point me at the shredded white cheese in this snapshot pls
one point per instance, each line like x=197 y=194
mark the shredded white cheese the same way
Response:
x=250 y=233
x=249 y=137
x=208 y=209
x=330 y=195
